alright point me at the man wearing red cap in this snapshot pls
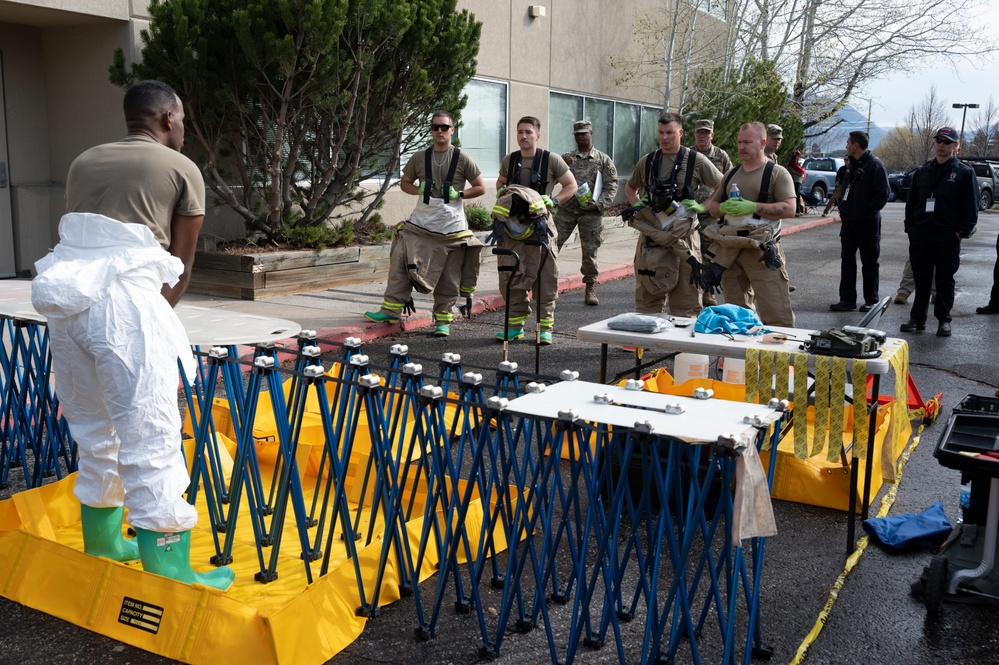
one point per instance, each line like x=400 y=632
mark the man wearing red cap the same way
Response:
x=942 y=208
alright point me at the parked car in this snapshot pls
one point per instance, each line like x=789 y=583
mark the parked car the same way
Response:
x=988 y=179
x=899 y=184
x=820 y=176
x=986 y=171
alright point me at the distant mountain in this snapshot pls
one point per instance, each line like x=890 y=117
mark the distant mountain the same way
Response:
x=833 y=142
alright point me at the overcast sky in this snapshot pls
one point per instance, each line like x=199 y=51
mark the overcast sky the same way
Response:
x=892 y=97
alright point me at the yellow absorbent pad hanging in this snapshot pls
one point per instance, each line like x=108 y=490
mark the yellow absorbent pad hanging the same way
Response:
x=43 y=566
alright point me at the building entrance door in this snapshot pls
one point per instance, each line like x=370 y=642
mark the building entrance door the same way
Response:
x=6 y=216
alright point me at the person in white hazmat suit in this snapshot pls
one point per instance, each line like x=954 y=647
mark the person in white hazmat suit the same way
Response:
x=124 y=257
x=435 y=250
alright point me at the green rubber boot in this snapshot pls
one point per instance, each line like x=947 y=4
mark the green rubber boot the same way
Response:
x=102 y=534
x=169 y=555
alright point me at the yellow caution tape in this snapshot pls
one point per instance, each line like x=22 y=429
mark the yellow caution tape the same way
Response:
x=886 y=503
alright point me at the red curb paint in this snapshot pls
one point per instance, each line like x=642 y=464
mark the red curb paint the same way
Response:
x=369 y=331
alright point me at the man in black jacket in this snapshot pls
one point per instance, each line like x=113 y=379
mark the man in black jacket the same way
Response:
x=941 y=209
x=864 y=194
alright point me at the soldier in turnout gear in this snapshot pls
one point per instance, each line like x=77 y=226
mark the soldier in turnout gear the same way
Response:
x=537 y=170
x=434 y=250
x=596 y=177
x=746 y=257
x=704 y=134
x=667 y=265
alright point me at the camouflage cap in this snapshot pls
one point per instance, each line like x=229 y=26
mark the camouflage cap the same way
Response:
x=775 y=132
x=704 y=124
x=581 y=126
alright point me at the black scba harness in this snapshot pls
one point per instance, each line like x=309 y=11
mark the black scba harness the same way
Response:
x=764 y=194
x=661 y=192
x=539 y=171
x=429 y=175
x=846 y=342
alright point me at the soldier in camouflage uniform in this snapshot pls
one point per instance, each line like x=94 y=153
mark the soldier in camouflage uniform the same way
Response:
x=585 y=211
x=704 y=133
x=775 y=136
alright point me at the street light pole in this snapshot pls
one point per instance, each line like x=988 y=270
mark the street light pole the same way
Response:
x=964 y=113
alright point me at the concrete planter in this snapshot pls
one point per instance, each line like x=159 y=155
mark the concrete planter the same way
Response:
x=270 y=274
x=266 y=275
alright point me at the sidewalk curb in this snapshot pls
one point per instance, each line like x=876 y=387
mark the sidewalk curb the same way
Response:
x=369 y=330
x=804 y=226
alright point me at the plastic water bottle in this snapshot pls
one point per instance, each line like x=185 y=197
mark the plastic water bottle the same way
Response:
x=734 y=192
x=966 y=495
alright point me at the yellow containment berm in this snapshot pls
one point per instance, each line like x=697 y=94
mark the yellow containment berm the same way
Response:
x=290 y=621
x=287 y=621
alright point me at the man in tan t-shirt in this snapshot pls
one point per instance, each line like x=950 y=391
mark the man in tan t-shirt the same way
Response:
x=126 y=248
x=434 y=249
x=538 y=266
x=746 y=242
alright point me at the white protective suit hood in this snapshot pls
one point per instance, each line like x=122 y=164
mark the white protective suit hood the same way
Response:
x=94 y=252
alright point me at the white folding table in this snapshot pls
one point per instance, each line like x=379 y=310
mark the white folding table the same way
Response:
x=686 y=340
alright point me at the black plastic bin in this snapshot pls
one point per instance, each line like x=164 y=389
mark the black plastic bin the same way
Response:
x=973 y=429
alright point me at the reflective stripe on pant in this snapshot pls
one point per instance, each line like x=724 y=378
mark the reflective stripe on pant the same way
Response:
x=426 y=262
x=117 y=384
x=590 y=237
x=538 y=270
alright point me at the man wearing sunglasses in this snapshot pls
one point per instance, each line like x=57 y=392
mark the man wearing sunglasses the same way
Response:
x=942 y=208
x=434 y=250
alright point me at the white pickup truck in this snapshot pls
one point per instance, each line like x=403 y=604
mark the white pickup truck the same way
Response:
x=820 y=176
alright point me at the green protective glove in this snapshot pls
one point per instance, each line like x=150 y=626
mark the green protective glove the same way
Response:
x=738 y=207
x=644 y=201
x=423 y=187
x=691 y=204
x=452 y=194
x=549 y=203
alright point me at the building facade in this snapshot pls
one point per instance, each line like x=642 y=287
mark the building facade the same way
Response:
x=551 y=61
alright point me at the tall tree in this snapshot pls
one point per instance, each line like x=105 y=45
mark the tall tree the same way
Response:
x=676 y=40
x=758 y=93
x=984 y=132
x=909 y=146
x=825 y=50
x=292 y=102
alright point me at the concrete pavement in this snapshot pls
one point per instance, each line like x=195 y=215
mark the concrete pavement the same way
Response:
x=338 y=313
